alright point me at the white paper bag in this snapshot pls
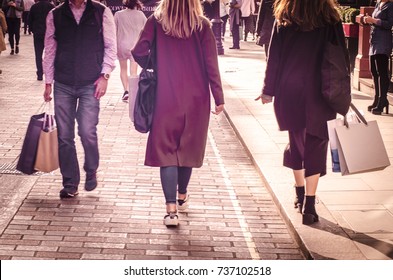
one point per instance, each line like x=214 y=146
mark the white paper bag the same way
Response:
x=132 y=90
x=332 y=125
x=361 y=148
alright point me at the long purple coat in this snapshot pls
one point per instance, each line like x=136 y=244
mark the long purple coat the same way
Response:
x=187 y=71
x=293 y=76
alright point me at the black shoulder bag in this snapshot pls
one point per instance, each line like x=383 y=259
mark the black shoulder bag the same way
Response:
x=336 y=79
x=146 y=94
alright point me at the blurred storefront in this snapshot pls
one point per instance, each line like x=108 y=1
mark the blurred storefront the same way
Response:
x=148 y=6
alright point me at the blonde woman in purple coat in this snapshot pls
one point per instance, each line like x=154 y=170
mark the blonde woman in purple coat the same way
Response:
x=187 y=71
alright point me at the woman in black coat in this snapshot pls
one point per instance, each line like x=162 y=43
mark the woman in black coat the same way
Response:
x=265 y=24
x=381 y=45
x=293 y=77
x=37 y=24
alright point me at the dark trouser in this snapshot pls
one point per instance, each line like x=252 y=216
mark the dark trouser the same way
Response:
x=235 y=35
x=379 y=66
x=224 y=24
x=25 y=19
x=248 y=25
x=78 y=103
x=307 y=152
x=173 y=177
x=13 y=31
x=39 y=49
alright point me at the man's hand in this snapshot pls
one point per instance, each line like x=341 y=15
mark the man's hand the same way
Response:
x=48 y=92
x=101 y=86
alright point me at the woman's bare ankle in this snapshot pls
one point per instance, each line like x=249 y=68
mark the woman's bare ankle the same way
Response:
x=171 y=208
x=182 y=196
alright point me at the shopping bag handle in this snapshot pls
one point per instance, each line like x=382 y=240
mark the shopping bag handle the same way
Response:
x=48 y=116
x=358 y=114
x=41 y=108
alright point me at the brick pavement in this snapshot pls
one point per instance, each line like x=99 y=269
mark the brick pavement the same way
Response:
x=232 y=214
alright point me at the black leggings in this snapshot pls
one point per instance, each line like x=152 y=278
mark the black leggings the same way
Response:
x=13 y=31
x=173 y=177
x=379 y=66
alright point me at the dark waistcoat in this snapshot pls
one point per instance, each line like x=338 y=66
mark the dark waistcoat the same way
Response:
x=80 y=47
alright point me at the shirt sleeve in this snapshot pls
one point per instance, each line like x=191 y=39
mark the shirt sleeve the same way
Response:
x=110 y=44
x=50 y=49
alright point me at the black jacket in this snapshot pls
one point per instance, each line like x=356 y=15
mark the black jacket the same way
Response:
x=80 y=47
x=37 y=17
x=294 y=77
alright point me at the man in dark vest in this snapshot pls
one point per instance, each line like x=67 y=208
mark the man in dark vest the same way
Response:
x=80 y=54
x=37 y=25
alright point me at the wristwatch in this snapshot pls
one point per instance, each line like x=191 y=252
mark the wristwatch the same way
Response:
x=105 y=75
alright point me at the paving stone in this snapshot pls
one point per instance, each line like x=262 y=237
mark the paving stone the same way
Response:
x=232 y=214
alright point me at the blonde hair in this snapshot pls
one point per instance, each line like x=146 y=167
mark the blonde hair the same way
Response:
x=306 y=14
x=180 y=18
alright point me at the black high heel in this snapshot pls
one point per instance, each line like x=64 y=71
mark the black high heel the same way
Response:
x=375 y=103
x=310 y=215
x=309 y=219
x=383 y=104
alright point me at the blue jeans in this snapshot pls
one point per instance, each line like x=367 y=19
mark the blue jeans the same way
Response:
x=78 y=103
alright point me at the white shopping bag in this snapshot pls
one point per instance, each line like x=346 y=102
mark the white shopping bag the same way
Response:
x=332 y=124
x=132 y=90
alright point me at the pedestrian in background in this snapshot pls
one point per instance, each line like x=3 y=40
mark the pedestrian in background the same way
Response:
x=247 y=10
x=129 y=23
x=187 y=70
x=293 y=78
x=265 y=24
x=25 y=15
x=208 y=9
x=3 y=30
x=381 y=22
x=13 y=10
x=37 y=25
x=235 y=22
x=224 y=15
x=80 y=54
x=254 y=16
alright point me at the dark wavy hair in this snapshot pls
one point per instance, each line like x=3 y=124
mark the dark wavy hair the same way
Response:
x=306 y=15
x=132 y=4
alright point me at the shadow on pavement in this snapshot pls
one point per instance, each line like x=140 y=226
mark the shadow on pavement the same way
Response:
x=379 y=245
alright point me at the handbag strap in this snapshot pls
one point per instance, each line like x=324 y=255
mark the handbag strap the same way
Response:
x=343 y=46
x=358 y=115
x=48 y=117
x=338 y=39
x=41 y=108
x=151 y=59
